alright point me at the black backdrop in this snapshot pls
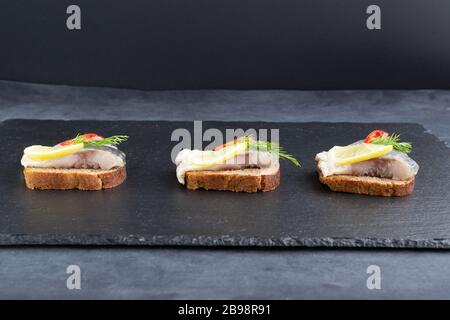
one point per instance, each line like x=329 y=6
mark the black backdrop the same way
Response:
x=191 y=44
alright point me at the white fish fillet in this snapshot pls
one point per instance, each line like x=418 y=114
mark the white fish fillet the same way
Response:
x=249 y=159
x=105 y=158
x=394 y=165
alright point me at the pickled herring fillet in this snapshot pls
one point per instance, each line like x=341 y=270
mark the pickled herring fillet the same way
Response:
x=394 y=165
x=105 y=157
x=249 y=159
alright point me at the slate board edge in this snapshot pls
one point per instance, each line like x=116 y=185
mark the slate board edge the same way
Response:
x=222 y=241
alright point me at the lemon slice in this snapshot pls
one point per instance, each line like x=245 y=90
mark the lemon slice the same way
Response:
x=42 y=153
x=209 y=158
x=358 y=152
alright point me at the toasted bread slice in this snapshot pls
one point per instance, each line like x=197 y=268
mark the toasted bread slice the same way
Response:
x=368 y=185
x=66 y=179
x=246 y=180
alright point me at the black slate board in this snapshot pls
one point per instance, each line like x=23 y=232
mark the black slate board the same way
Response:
x=151 y=208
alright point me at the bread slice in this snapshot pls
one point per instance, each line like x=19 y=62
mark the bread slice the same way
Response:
x=66 y=179
x=368 y=185
x=246 y=180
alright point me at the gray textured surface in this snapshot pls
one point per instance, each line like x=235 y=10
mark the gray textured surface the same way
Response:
x=430 y=108
x=224 y=273
x=209 y=274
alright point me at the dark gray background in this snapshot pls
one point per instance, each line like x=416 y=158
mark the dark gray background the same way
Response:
x=232 y=44
x=189 y=273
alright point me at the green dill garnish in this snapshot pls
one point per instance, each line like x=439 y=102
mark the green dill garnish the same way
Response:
x=394 y=140
x=113 y=140
x=273 y=148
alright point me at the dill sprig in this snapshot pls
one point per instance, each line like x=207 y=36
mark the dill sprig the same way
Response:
x=272 y=148
x=113 y=140
x=394 y=140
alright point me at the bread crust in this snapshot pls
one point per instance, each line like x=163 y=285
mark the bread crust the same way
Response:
x=232 y=181
x=67 y=179
x=368 y=185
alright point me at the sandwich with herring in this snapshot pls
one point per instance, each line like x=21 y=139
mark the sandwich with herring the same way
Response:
x=86 y=162
x=241 y=165
x=378 y=165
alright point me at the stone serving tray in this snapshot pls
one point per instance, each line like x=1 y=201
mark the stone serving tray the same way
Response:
x=151 y=208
